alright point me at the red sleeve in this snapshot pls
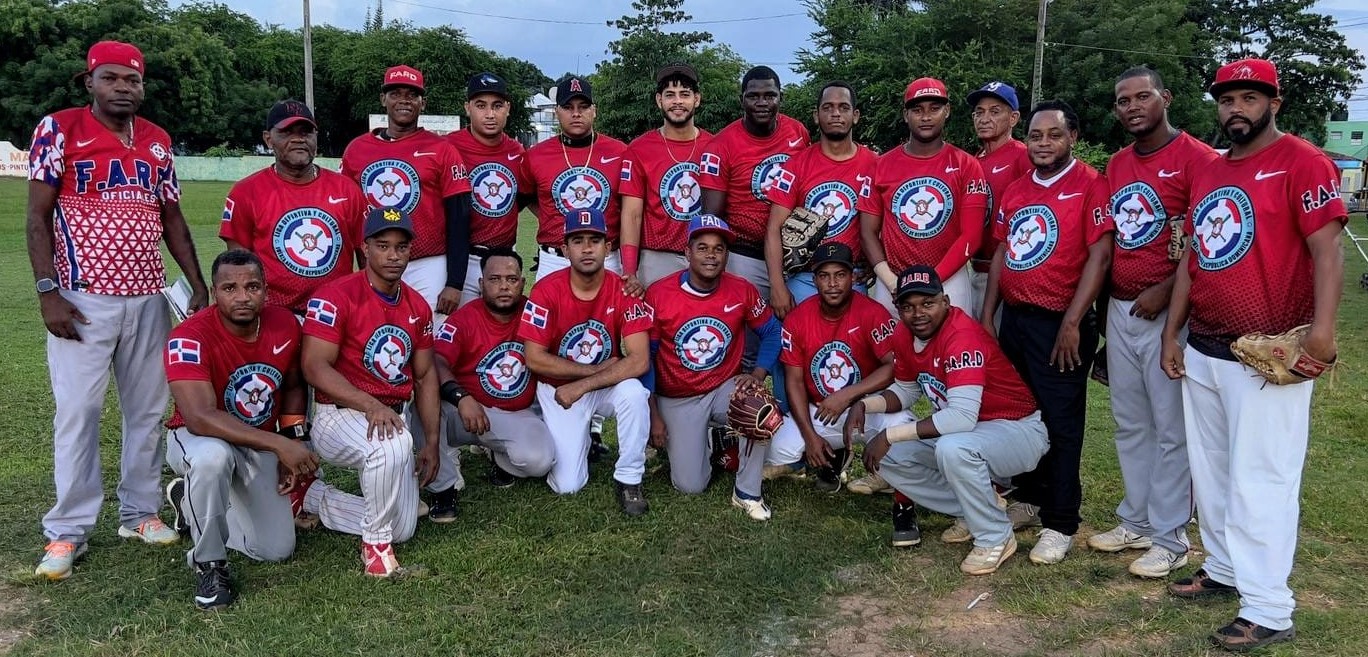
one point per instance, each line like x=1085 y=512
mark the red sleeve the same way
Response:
x=184 y=358
x=455 y=178
x=526 y=183
x=973 y=207
x=712 y=166
x=444 y=340
x=653 y=299
x=424 y=340
x=535 y=325
x=1313 y=192
x=637 y=316
x=633 y=176
x=903 y=369
x=966 y=360
x=881 y=329
x=872 y=203
x=238 y=215
x=790 y=343
x=1000 y=226
x=758 y=311
x=1098 y=209
x=323 y=315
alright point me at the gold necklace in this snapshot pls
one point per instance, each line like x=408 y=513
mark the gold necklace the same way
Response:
x=692 y=145
x=566 y=154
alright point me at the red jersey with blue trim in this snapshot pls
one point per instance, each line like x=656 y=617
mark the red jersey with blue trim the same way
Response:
x=246 y=375
x=493 y=187
x=375 y=338
x=840 y=352
x=414 y=174
x=663 y=173
x=745 y=167
x=1048 y=228
x=569 y=178
x=486 y=357
x=963 y=354
x=830 y=188
x=701 y=336
x=587 y=332
x=1001 y=168
x=305 y=234
x=107 y=222
x=1251 y=268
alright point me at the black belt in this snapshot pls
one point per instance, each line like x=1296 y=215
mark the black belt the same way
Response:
x=1214 y=346
x=479 y=250
x=748 y=249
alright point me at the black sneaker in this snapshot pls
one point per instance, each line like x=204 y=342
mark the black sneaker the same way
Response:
x=443 y=508
x=499 y=477
x=175 y=496
x=906 y=533
x=1242 y=635
x=631 y=498
x=213 y=590
x=597 y=450
x=829 y=476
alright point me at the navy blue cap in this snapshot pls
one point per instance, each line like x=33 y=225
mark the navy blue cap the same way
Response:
x=572 y=87
x=919 y=279
x=832 y=252
x=379 y=220
x=587 y=220
x=710 y=223
x=486 y=83
x=999 y=90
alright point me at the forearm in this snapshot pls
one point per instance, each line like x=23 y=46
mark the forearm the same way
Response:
x=617 y=371
x=715 y=202
x=214 y=423
x=1179 y=304
x=991 y=293
x=1094 y=272
x=879 y=379
x=327 y=380
x=1327 y=283
x=457 y=239
x=428 y=402
x=629 y=232
x=798 y=400
x=774 y=246
x=870 y=227
x=545 y=364
x=39 y=230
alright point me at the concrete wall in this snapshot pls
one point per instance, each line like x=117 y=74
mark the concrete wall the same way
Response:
x=14 y=163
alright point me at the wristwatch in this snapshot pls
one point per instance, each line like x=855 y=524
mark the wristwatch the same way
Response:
x=46 y=285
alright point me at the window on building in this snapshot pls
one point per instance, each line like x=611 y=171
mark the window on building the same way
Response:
x=1356 y=138
x=1336 y=135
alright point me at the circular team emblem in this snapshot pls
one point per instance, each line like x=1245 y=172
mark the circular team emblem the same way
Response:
x=495 y=189
x=578 y=188
x=1139 y=214
x=934 y=390
x=680 y=194
x=1223 y=228
x=923 y=207
x=158 y=151
x=764 y=174
x=834 y=368
x=503 y=371
x=702 y=343
x=250 y=394
x=308 y=241
x=835 y=201
x=391 y=184
x=587 y=343
x=1032 y=234
x=387 y=352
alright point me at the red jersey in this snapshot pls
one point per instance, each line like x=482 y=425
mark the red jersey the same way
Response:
x=246 y=376
x=570 y=178
x=1001 y=168
x=305 y=234
x=1048 y=228
x=745 y=167
x=487 y=360
x=963 y=354
x=107 y=223
x=1246 y=280
x=836 y=353
x=375 y=338
x=493 y=185
x=700 y=336
x=587 y=332
x=830 y=188
x=414 y=174
x=933 y=208
x=1148 y=191
x=663 y=173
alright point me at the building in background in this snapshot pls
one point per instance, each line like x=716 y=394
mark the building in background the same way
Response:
x=1346 y=142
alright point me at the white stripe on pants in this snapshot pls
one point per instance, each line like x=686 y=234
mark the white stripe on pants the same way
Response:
x=785 y=450
x=570 y=432
x=387 y=509
x=1246 y=446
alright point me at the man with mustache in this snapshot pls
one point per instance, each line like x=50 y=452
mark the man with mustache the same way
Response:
x=995 y=112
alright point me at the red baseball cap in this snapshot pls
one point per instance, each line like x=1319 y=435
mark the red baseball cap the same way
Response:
x=114 y=52
x=1258 y=74
x=925 y=89
x=402 y=76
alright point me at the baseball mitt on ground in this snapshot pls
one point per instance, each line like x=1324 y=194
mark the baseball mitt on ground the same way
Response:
x=754 y=413
x=1279 y=358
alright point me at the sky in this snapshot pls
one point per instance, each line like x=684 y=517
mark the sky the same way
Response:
x=561 y=36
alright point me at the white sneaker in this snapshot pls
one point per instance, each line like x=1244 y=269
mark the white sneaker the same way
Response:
x=756 y=509
x=1118 y=539
x=152 y=530
x=1023 y=515
x=1051 y=547
x=869 y=484
x=1158 y=562
x=985 y=560
x=58 y=558
x=959 y=533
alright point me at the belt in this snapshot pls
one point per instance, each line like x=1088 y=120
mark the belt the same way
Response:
x=479 y=250
x=748 y=249
x=1214 y=346
x=981 y=266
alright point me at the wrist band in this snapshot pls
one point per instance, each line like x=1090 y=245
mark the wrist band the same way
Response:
x=631 y=259
x=886 y=275
x=875 y=403
x=903 y=432
x=451 y=393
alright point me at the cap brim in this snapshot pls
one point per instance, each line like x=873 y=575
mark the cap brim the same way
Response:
x=818 y=263
x=471 y=95
x=406 y=229
x=727 y=235
x=396 y=85
x=289 y=121
x=918 y=99
x=980 y=94
x=562 y=102
x=1218 y=88
x=677 y=71
x=577 y=231
x=920 y=290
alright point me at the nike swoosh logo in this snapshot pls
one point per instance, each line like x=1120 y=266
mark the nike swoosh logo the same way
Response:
x=935 y=362
x=203 y=600
x=852 y=330
x=1064 y=197
x=796 y=142
x=413 y=319
x=951 y=169
x=727 y=309
x=422 y=153
x=1001 y=168
x=1260 y=175
x=1169 y=174
x=277 y=349
x=606 y=160
x=335 y=201
x=611 y=309
x=84 y=142
x=514 y=156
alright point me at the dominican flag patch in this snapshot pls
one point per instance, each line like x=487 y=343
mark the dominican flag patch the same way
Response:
x=785 y=340
x=447 y=333
x=711 y=164
x=321 y=311
x=534 y=315
x=784 y=181
x=626 y=174
x=228 y=209
x=182 y=350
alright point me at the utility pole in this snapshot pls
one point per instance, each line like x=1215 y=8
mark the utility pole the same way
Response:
x=308 y=59
x=1039 y=53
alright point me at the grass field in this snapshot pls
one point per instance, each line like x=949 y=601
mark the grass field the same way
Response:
x=523 y=572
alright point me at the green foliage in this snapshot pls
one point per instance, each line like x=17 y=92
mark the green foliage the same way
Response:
x=1096 y=155
x=224 y=150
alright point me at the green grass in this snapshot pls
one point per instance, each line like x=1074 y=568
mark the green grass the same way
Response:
x=524 y=572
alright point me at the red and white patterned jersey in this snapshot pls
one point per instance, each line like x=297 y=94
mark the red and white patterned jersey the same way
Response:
x=933 y=208
x=1251 y=268
x=701 y=336
x=493 y=187
x=663 y=173
x=836 y=353
x=305 y=234
x=962 y=354
x=415 y=174
x=1148 y=191
x=376 y=339
x=1048 y=229
x=107 y=223
x=587 y=332
x=832 y=189
x=1001 y=168
x=745 y=167
x=486 y=357
x=246 y=376
x=569 y=178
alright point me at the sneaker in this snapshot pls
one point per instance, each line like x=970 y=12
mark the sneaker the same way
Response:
x=1023 y=515
x=443 y=508
x=175 y=497
x=152 y=531
x=829 y=476
x=379 y=559
x=1158 y=562
x=631 y=499
x=985 y=560
x=1241 y=635
x=958 y=533
x=422 y=509
x=212 y=588
x=906 y=533
x=58 y=556
x=597 y=450
x=791 y=471
x=501 y=478
x=1051 y=547
x=756 y=509
x=869 y=484
x=1118 y=539
x=1200 y=585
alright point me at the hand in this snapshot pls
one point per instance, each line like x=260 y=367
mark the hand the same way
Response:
x=1065 y=353
x=831 y=408
x=60 y=316
x=632 y=287
x=875 y=450
x=745 y=381
x=816 y=450
x=428 y=460
x=473 y=416
x=1319 y=347
x=1171 y=358
x=382 y=423
x=854 y=424
x=286 y=481
x=658 y=436
x=568 y=394
x=781 y=302
x=1151 y=302
x=199 y=299
x=448 y=300
x=295 y=457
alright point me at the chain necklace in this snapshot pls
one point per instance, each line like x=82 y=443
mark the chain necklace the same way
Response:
x=307 y=178
x=693 y=144
x=590 y=160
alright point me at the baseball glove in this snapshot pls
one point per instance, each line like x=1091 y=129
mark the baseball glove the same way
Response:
x=1279 y=358
x=753 y=413
x=801 y=234
x=1178 y=241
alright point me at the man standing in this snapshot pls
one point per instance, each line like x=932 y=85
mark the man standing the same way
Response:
x=1247 y=438
x=1054 y=233
x=995 y=112
x=102 y=193
x=1150 y=181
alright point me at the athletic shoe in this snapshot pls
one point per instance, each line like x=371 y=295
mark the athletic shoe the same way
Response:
x=443 y=509
x=501 y=478
x=152 y=531
x=869 y=484
x=303 y=519
x=1241 y=636
x=597 y=450
x=985 y=560
x=906 y=533
x=1158 y=562
x=1200 y=585
x=631 y=499
x=422 y=509
x=958 y=533
x=756 y=509
x=175 y=497
x=213 y=589
x=1118 y=539
x=791 y=471
x=58 y=556
x=379 y=559
x=1051 y=547
x=829 y=476
x=1023 y=515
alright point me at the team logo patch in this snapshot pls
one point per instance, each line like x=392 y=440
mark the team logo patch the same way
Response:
x=1223 y=228
x=182 y=350
x=835 y=201
x=391 y=184
x=308 y=241
x=680 y=194
x=387 y=354
x=588 y=343
x=578 y=188
x=934 y=390
x=766 y=174
x=923 y=207
x=701 y=344
x=503 y=371
x=1032 y=233
x=495 y=189
x=833 y=368
x=158 y=150
x=228 y=206
x=250 y=394
x=1139 y=214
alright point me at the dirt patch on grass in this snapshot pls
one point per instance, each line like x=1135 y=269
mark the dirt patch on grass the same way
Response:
x=11 y=607
x=984 y=629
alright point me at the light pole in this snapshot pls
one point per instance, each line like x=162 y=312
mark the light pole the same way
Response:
x=308 y=59
x=1039 y=53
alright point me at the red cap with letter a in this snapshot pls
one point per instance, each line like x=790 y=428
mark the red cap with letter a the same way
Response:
x=114 y=52
x=1257 y=74
x=402 y=76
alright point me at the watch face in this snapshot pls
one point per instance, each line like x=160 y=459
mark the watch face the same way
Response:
x=46 y=285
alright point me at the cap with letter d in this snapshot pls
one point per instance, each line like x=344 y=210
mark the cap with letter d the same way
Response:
x=587 y=220
x=704 y=223
x=919 y=279
x=379 y=220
